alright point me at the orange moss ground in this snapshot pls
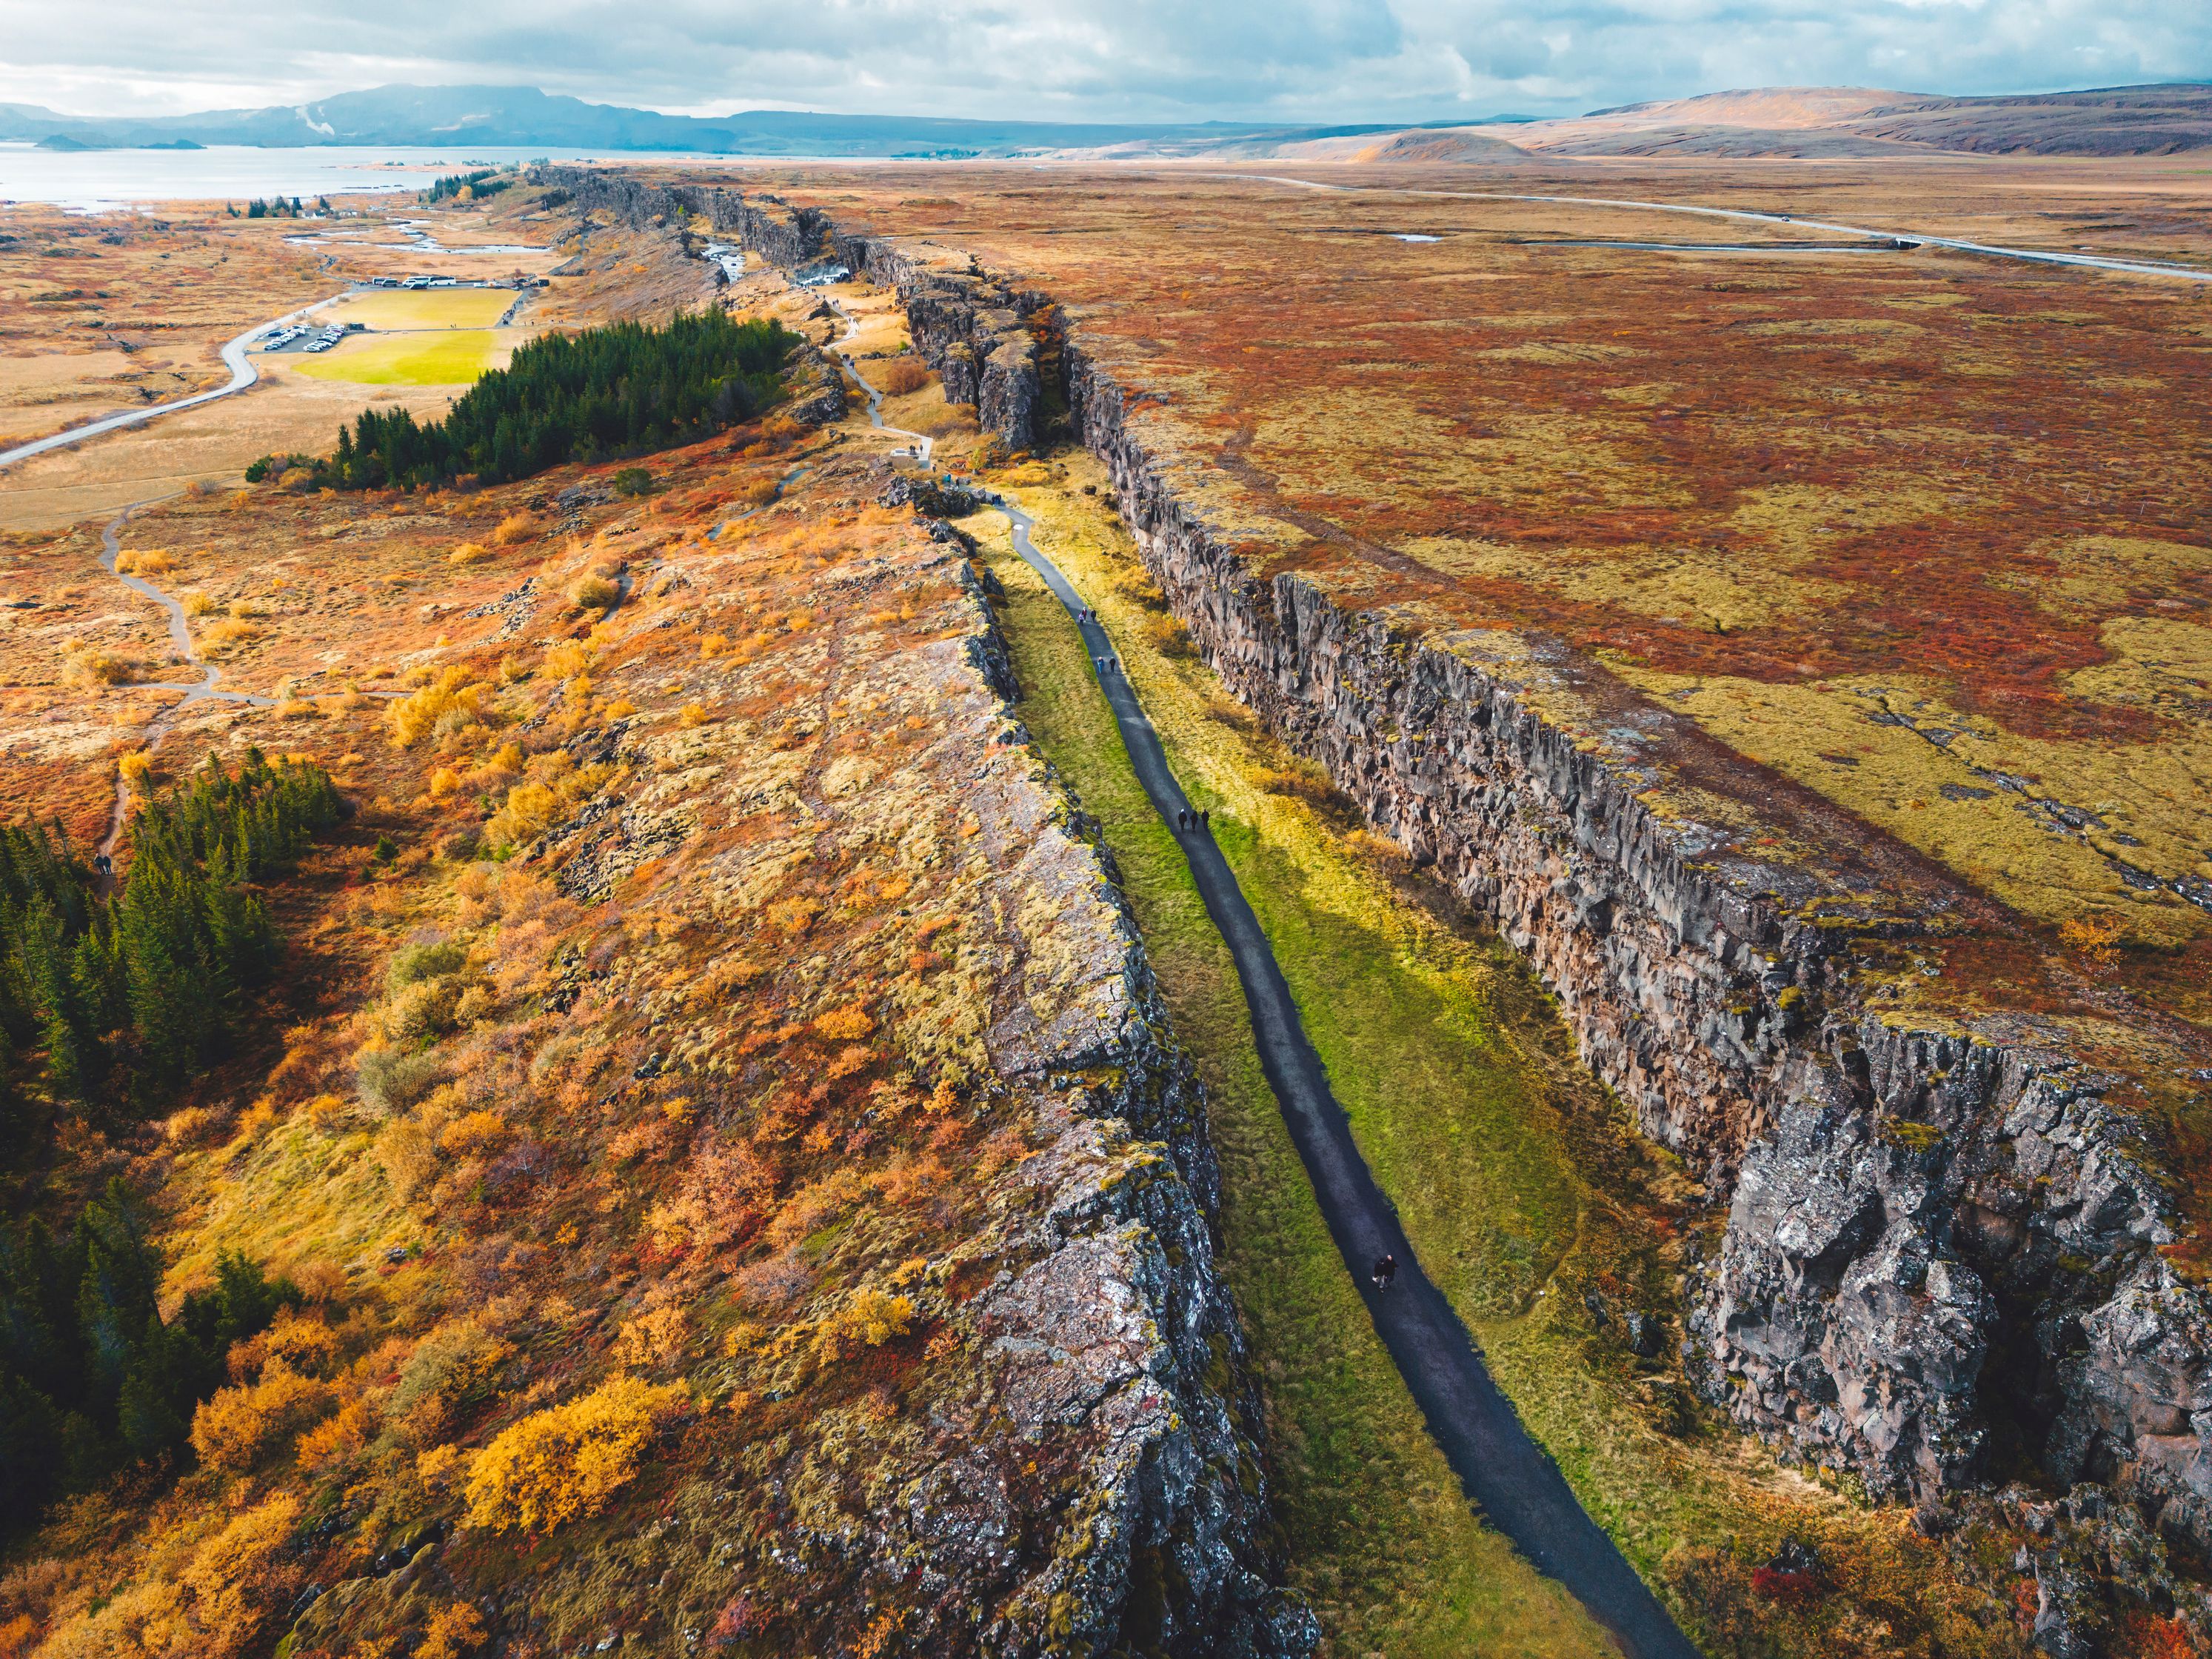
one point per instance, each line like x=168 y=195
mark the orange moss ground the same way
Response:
x=651 y=1046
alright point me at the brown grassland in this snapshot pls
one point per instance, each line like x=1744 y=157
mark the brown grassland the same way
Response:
x=106 y=313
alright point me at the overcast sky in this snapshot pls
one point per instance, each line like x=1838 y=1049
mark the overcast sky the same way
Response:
x=1306 y=60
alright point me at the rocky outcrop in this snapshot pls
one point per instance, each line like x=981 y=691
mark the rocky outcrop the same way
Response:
x=816 y=386
x=1931 y=1236
x=972 y=328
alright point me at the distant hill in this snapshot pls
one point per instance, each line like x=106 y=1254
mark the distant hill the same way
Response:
x=1810 y=121
x=1822 y=121
x=525 y=117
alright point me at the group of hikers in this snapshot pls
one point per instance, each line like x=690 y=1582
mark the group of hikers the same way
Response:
x=1385 y=1270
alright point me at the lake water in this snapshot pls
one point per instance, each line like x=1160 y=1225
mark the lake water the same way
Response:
x=101 y=181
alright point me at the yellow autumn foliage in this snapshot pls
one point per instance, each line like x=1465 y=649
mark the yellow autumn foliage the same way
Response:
x=567 y=1461
x=235 y=1428
x=226 y=1574
x=411 y=717
x=869 y=1319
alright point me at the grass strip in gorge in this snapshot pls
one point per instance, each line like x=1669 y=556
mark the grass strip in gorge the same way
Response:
x=1381 y=1538
x=1540 y=1212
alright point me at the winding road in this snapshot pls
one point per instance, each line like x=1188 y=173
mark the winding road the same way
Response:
x=2034 y=256
x=1515 y=1482
x=243 y=374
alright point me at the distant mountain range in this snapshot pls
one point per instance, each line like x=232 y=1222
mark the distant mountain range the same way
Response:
x=1801 y=121
x=507 y=116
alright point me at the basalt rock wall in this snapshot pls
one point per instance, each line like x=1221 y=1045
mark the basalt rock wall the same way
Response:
x=1934 y=1242
x=969 y=327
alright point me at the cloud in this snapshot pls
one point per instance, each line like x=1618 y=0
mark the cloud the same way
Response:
x=1293 y=60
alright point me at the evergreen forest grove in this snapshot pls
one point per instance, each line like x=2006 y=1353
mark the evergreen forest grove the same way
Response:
x=604 y=392
x=110 y=1002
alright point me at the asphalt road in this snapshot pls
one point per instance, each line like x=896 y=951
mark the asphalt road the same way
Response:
x=1518 y=1488
x=2033 y=256
x=243 y=374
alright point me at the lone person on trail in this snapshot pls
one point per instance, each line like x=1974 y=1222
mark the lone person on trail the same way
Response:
x=1386 y=1271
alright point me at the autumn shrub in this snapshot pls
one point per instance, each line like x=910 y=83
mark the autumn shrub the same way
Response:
x=222 y=635
x=652 y=1340
x=151 y=561
x=346 y=1431
x=570 y=1460
x=451 y=1371
x=301 y=1340
x=845 y=1024
x=408 y=1155
x=868 y=1319
x=468 y=553
x=87 y=670
x=2097 y=937
x=1301 y=780
x=431 y=960
x=527 y=812
x=414 y=717
x=430 y=1009
x=900 y=376
x=236 y=1428
x=473 y=1134
x=516 y=527
x=242 y=1578
x=453 y=1632
x=1167 y=636
x=391 y=1079
x=594 y=593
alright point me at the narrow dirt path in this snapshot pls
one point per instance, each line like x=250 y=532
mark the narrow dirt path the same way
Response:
x=180 y=635
x=1512 y=1479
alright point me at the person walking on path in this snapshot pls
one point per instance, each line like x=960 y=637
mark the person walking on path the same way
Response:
x=1386 y=1271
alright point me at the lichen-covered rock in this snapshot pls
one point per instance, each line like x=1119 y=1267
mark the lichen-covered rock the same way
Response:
x=816 y=387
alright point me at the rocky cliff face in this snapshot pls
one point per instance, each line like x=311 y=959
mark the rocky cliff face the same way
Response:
x=1931 y=1236
x=1120 y=1329
x=970 y=327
